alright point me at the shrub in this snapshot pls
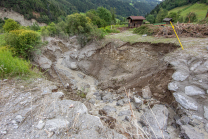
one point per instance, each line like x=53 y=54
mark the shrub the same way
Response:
x=10 y=25
x=35 y=27
x=24 y=42
x=190 y=17
x=146 y=29
x=203 y=21
x=10 y=66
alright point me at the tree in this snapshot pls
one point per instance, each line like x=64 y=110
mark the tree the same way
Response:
x=150 y=18
x=174 y=16
x=104 y=14
x=10 y=25
x=190 y=17
x=113 y=13
x=161 y=15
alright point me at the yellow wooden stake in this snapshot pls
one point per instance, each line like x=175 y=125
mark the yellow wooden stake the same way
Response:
x=176 y=35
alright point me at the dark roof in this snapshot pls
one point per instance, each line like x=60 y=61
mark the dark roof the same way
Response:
x=167 y=19
x=136 y=17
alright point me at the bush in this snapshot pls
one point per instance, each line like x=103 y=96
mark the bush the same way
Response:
x=190 y=17
x=24 y=42
x=146 y=29
x=11 y=66
x=204 y=21
x=35 y=27
x=10 y=25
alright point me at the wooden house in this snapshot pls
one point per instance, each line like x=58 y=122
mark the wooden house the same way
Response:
x=167 y=20
x=135 y=21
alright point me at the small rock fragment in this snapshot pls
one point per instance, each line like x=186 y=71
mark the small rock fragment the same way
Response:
x=193 y=90
x=206 y=112
x=126 y=112
x=188 y=132
x=206 y=127
x=180 y=75
x=73 y=66
x=4 y=132
x=109 y=109
x=40 y=125
x=137 y=100
x=146 y=93
x=19 y=118
x=173 y=86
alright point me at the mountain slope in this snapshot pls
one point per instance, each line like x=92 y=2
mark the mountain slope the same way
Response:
x=49 y=10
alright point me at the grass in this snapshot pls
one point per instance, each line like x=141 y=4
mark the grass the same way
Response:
x=199 y=9
x=2 y=41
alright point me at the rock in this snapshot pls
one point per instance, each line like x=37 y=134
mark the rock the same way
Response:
x=206 y=112
x=188 y=132
x=173 y=86
x=180 y=75
x=160 y=113
x=156 y=133
x=92 y=101
x=108 y=98
x=193 y=90
x=186 y=101
x=14 y=122
x=81 y=76
x=195 y=65
x=40 y=125
x=184 y=120
x=56 y=125
x=44 y=62
x=73 y=65
x=128 y=118
x=146 y=93
x=98 y=95
x=50 y=134
x=109 y=109
x=46 y=91
x=120 y=103
x=19 y=118
x=4 y=132
x=58 y=95
x=126 y=112
x=206 y=127
x=137 y=100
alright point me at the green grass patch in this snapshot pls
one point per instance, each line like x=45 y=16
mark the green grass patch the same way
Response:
x=146 y=29
x=12 y=66
x=199 y=9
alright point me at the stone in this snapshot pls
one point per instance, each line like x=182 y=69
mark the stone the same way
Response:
x=186 y=101
x=81 y=76
x=109 y=109
x=50 y=134
x=193 y=90
x=44 y=62
x=128 y=118
x=120 y=103
x=206 y=112
x=46 y=91
x=159 y=112
x=206 y=127
x=40 y=125
x=73 y=65
x=137 y=100
x=58 y=95
x=195 y=65
x=4 y=132
x=92 y=101
x=19 y=118
x=98 y=95
x=180 y=75
x=56 y=124
x=156 y=133
x=173 y=86
x=108 y=98
x=146 y=93
x=184 y=120
x=126 y=112
x=188 y=132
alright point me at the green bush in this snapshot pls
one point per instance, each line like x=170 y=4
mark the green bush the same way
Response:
x=24 y=42
x=190 y=17
x=11 y=66
x=35 y=27
x=10 y=25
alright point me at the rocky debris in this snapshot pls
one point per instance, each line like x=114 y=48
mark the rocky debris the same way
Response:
x=92 y=101
x=184 y=120
x=98 y=95
x=195 y=65
x=19 y=118
x=40 y=125
x=206 y=112
x=180 y=75
x=108 y=98
x=186 y=101
x=155 y=133
x=126 y=113
x=146 y=92
x=137 y=100
x=121 y=102
x=193 y=90
x=81 y=76
x=109 y=109
x=58 y=95
x=173 y=86
x=188 y=132
x=156 y=119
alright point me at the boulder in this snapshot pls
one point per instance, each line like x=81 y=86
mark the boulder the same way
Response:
x=44 y=62
x=188 y=132
x=146 y=92
x=186 y=101
x=173 y=86
x=180 y=75
x=193 y=90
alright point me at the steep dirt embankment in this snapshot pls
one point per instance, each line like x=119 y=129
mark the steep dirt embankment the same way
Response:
x=6 y=13
x=127 y=66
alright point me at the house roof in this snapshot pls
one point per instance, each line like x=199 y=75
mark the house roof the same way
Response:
x=136 y=17
x=167 y=19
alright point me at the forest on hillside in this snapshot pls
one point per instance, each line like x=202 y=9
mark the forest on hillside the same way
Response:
x=50 y=10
